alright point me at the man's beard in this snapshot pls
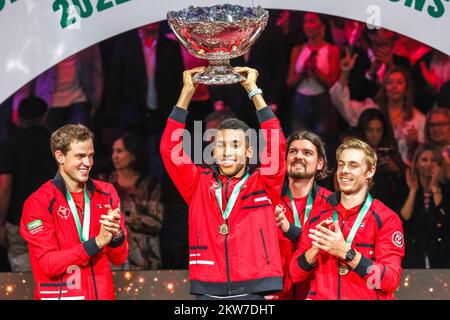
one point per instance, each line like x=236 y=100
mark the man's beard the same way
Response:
x=300 y=175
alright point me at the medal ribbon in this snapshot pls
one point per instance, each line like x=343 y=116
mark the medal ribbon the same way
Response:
x=362 y=213
x=83 y=231
x=308 y=208
x=234 y=195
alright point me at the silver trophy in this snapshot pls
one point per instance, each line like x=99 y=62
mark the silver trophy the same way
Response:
x=218 y=33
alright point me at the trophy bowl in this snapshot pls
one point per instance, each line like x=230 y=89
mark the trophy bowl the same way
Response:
x=218 y=33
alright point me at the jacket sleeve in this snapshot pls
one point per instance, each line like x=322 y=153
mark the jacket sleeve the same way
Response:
x=36 y=227
x=300 y=269
x=183 y=172
x=294 y=232
x=117 y=249
x=273 y=156
x=384 y=271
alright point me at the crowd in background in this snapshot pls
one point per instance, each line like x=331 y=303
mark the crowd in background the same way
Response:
x=333 y=76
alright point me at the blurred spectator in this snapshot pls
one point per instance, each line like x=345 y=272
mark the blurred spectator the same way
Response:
x=353 y=33
x=201 y=103
x=409 y=48
x=375 y=58
x=139 y=201
x=346 y=32
x=373 y=128
x=144 y=78
x=142 y=75
x=143 y=88
x=25 y=164
x=214 y=119
x=437 y=132
x=313 y=69
x=443 y=97
x=430 y=73
x=426 y=212
x=394 y=99
x=268 y=56
x=6 y=124
x=290 y=24
x=73 y=88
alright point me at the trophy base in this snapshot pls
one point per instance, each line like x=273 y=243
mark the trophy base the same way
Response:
x=219 y=72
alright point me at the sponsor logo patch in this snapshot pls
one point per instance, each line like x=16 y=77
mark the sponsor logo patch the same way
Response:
x=397 y=239
x=35 y=226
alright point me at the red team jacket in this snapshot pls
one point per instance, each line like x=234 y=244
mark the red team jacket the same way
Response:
x=247 y=260
x=63 y=267
x=379 y=239
x=289 y=240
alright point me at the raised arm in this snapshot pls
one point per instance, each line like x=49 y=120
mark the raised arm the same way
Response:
x=340 y=93
x=413 y=185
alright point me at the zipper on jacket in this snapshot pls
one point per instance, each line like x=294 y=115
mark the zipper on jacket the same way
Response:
x=339 y=275
x=60 y=287
x=339 y=285
x=93 y=278
x=198 y=245
x=226 y=189
x=264 y=245
x=227 y=264
x=198 y=237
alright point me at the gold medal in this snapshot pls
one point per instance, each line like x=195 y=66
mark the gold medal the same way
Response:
x=223 y=229
x=343 y=269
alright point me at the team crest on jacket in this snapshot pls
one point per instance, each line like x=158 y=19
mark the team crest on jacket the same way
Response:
x=397 y=239
x=63 y=212
x=214 y=185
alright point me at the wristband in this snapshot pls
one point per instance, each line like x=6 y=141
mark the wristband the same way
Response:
x=254 y=92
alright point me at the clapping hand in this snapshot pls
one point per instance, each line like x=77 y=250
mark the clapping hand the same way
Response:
x=329 y=239
x=280 y=218
x=111 y=221
x=411 y=180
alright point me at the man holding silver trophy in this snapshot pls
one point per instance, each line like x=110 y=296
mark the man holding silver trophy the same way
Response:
x=233 y=246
